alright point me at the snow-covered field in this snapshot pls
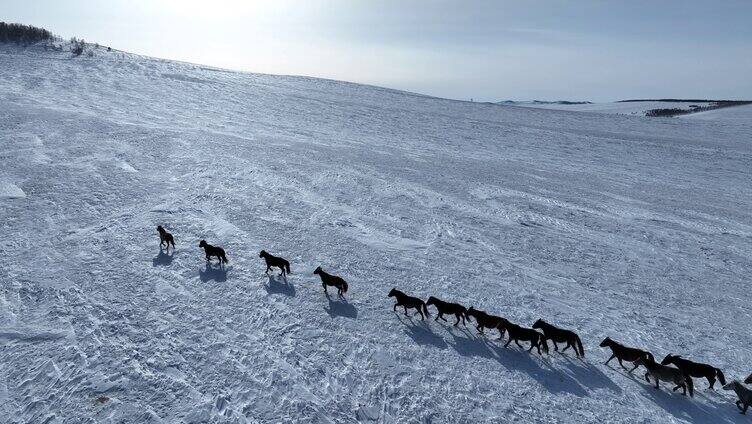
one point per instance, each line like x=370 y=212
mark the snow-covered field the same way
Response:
x=622 y=226
x=738 y=114
x=637 y=108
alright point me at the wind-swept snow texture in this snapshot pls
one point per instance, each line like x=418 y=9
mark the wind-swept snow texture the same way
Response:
x=622 y=226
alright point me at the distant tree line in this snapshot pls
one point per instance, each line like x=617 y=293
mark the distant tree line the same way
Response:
x=18 y=33
x=670 y=112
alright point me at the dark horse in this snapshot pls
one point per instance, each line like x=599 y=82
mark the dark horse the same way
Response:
x=331 y=280
x=517 y=333
x=560 y=335
x=625 y=353
x=484 y=320
x=213 y=251
x=408 y=302
x=165 y=238
x=448 y=308
x=696 y=369
x=272 y=260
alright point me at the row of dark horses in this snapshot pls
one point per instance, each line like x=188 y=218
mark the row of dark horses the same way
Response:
x=680 y=375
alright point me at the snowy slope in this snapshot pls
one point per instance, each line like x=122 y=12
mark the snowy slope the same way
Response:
x=634 y=228
x=738 y=114
x=638 y=108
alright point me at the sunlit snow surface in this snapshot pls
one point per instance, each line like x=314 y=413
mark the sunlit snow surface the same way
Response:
x=622 y=226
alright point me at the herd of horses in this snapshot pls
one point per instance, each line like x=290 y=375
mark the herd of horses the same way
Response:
x=680 y=374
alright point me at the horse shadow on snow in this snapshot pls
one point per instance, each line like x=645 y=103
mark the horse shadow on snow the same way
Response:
x=420 y=332
x=569 y=376
x=279 y=285
x=340 y=308
x=214 y=272
x=686 y=408
x=163 y=258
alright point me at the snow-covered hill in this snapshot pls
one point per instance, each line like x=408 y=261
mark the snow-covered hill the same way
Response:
x=629 y=227
x=741 y=114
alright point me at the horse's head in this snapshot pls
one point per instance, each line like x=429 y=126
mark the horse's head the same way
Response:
x=539 y=323
x=607 y=342
x=645 y=358
x=748 y=380
x=317 y=270
x=471 y=311
x=202 y=243
x=670 y=359
x=262 y=253
x=431 y=300
x=160 y=229
x=393 y=292
x=732 y=385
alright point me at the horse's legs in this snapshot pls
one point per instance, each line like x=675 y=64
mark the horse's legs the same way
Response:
x=569 y=344
x=445 y=320
x=458 y=319
x=657 y=384
x=647 y=377
x=422 y=317
x=395 y=308
x=516 y=341
x=738 y=405
x=613 y=355
x=634 y=368
x=508 y=341
x=711 y=380
x=405 y=310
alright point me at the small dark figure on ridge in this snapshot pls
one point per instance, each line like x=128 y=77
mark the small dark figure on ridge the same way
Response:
x=275 y=261
x=331 y=280
x=165 y=238
x=213 y=251
x=408 y=302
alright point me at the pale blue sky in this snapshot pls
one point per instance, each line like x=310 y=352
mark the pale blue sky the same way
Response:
x=487 y=50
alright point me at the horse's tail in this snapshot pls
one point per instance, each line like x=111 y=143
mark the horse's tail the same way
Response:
x=287 y=265
x=344 y=287
x=690 y=385
x=721 y=377
x=542 y=340
x=425 y=308
x=224 y=258
x=579 y=345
